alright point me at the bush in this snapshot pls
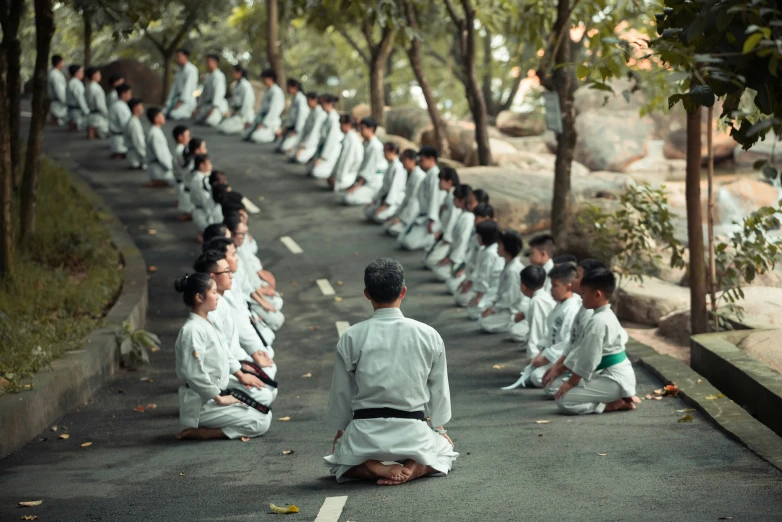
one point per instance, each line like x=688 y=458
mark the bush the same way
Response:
x=68 y=274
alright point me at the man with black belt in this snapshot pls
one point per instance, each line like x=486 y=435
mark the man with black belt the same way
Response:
x=389 y=394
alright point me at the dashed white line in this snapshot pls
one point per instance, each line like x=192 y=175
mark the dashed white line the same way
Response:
x=325 y=287
x=25 y=114
x=341 y=327
x=291 y=244
x=331 y=509
x=250 y=206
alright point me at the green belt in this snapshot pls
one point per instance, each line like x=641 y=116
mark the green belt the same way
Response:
x=380 y=172
x=611 y=360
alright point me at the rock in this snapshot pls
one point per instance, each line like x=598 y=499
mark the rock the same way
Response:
x=460 y=136
x=739 y=198
x=258 y=88
x=676 y=327
x=649 y=301
x=673 y=129
x=520 y=124
x=501 y=153
x=146 y=83
x=361 y=111
x=536 y=144
x=408 y=122
x=760 y=150
x=764 y=346
x=612 y=140
x=446 y=162
x=403 y=143
x=533 y=161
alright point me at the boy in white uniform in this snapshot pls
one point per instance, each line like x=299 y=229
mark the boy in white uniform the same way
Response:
x=487 y=263
x=421 y=232
x=533 y=282
x=269 y=117
x=212 y=103
x=392 y=193
x=181 y=100
x=115 y=80
x=119 y=116
x=322 y=163
x=351 y=155
x=74 y=96
x=457 y=240
x=98 y=119
x=242 y=111
x=181 y=136
x=449 y=215
x=498 y=316
x=56 y=87
x=370 y=173
x=376 y=419
x=541 y=253
x=160 y=163
x=463 y=266
x=408 y=210
x=134 y=136
x=297 y=117
x=307 y=144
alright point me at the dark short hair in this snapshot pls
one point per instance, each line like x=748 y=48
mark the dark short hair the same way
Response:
x=122 y=89
x=184 y=51
x=565 y=258
x=462 y=192
x=218 y=243
x=207 y=261
x=328 y=98
x=481 y=195
x=450 y=174
x=89 y=72
x=179 y=130
x=544 y=242
x=427 y=151
x=511 y=242
x=219 y=192
x=565 y=272
x=191 y=285
x=214 y=230
x=384 y=280
x=590 y=264
x=312 y=95
x=601 y=279
x=199 y=160
x=114 y=78
x=232 y=220
x=533 y=277
x=215 y=175
x=213 y=57
x=488 y=231
x=347 y=118
x=73 y=68
x=483 y=210
x=293 y=82
x=133 y=102
x=269 y=73
x=56 y=60
x=238 y=68
x=152 y=113
x=391 y=146
x=232 y=202
x=369 y=122
x=409 y=154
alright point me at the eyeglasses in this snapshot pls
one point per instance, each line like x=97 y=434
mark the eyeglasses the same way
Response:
x=226 y=271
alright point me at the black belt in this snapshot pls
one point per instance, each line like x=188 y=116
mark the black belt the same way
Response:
x=74 y=107
x=255 y=325
x=245 y=398
x=254 y=369
x=116 y=133
x=388 y=413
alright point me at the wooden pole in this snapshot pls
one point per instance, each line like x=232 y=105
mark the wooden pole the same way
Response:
x=698 y=318
x=712 y=261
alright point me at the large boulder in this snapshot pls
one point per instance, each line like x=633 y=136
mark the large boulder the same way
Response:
x=672 y=128
x=531 y=161
x=612 y=140
x=740 y=198
x=501 y=152
x=402 y=143
x=146 y=83
x=649 y=301
x=460 y=136
x=408 y=122
x=520 y=124
x=361 y=111
x=447 y=162
x=761 y=150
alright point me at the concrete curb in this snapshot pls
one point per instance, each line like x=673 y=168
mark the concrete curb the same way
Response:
x=727 y=415
x=75 y=376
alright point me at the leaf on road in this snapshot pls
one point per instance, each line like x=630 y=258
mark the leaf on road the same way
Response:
x=306 y=375
x=31 y=503
x=54 y=428
x=542 y=421
x=657 y=397
x=714 y=397
x=498 y=366
x=288 y=452
x=284 y=419
x=152 y=269
x=314 y=328
x=182 y=474
x=155 y=349
x=339 y=283
x=294 y=283
x=86 y=445
x=245 y=439
x=648 y=397
x=602 y=454
x=261 y=198
x=64 y=436
x=672 y=390
x=152 y=232
x=283 y=511
x=29 y=517
x=151 y=406
x=337 y=299
x=686 y=418
x=658 y=391
x=121 y=391
x=146 y=379
x=139 y=409
x=699 y=381
x=686 y=410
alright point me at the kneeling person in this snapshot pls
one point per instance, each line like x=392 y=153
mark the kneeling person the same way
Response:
x=377 y=419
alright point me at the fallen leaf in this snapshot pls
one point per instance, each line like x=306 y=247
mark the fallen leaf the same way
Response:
x=121 y=391
x=139 y=409
x=283 y=511
x=658 y=391
x=152 y=232
x=284 y=419
x=648 y=397
x=86 y=444
x=314 y=328
x=29 y=517
x=337 y=299
x=151 y=406
x=288 y=452
x=152 y=268
x=64 y=436
x=498 y=366
x=657 y=397
x=141 y=227
x=261 y=198
x=54 y=428
x=672 y=390
x=245 y=439
x=339 y=283
x=294 y=283
x=602 y=454
x=714 y=397
x=31 y=503
x=686 y=410
x=181 y=474
x=306 y=375
x=686 y=418
x=154 y=349
x=146 y=379
x=698 y=381
x=542 y=421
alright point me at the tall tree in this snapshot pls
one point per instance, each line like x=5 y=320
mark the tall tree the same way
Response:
x=273 y=45
x=465 y=43
x=44 y=30
x=168 y=41
x=87 y=18
x=10 y=16
x=6 y=175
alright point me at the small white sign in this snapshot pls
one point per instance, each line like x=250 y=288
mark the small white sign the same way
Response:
x=553 y=112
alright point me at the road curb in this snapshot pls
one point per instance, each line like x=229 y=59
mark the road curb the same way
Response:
x=75 y=376
x=694 y=389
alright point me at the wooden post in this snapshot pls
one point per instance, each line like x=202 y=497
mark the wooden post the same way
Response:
x=712 y=262
x=698 y=319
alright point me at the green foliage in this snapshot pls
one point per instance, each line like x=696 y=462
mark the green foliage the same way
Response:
x=134 y=343
x=69 y=274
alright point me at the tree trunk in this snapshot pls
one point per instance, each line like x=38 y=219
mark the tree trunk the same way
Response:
x=273 y=51
x=44 y=30
x=698 y=317
x=389 y=69
x=6 y=181
x=478 y=105
x=167 y=55
x=712 y=279
x=11 y=19
x=87 y=37
x=416 y=63
x=377 y=63
x=488 y=74
x=566 y=141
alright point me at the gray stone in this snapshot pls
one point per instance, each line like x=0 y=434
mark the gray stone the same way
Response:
x=649 y=301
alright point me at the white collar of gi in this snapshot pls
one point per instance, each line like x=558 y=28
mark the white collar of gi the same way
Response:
x=603 y=308
x=388 y=312
x=539 y=291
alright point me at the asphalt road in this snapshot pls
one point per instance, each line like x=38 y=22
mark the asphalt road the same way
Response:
x=636 y=466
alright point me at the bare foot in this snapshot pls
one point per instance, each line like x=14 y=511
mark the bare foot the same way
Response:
x=185 y=217
x=156 y=184
x=185 y=433
x=417 y=470
x=619 y=405
x=388 y=475
x=633 y=399
x=200 y=434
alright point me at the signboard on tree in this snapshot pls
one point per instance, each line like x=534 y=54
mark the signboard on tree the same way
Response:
x=553 y=114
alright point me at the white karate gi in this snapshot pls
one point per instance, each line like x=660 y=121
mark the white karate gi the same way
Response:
x=487 y=281
x=603 y=336
x=547 y=267
x=112 y=97
x=329 y=148
x=470 y=261
x=540 y=306
x=576 y=333
x=56 y=86
x=184 y=204
x=408 y=210
x=99 y=111
x=269 y=117
x=350 y=157
x=183 y=91
x=252 y=266
x=402 y=366
x=202 y=362
x=136 y=143
x=505 y=305
x=160 y=164
x=78 y=110
x=242 y=277
x=201 y=198
x=119 y=116
x=297 y=118
x=430 y=198
x=310 y=136
x=462 y=231
x=242 y=108
x=392 y=193
x=252 y=338
x=372 y=168
x=212 y=103
x=449 y=215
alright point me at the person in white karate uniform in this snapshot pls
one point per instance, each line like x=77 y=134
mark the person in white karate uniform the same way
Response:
x=351 y=155
x=541 y=253
x=181 y=136
x=322 y=163
x=134 y=136
x=98 y=119
x=449 y=215
x=119 y=116
x=226 y=321
x=370 y=174
x=488 y=267
x=376 y=418
x=421 y=232
x=392 y=193
x=307 y=145
x=203 y=362
x=499 y=315
x=196 y=147
x=533 y=282
x=408 y=209
x=269 y=118
x=181 y=100
x=559 y=326
x=456 y=239
x=603 y=379
x=56 y=87
x=201 y=193
x=212 y=104
x=160 y=163
x=78 y=110
x=242 y=104
x=115 y=80
x=463 y=260
x=298 y=112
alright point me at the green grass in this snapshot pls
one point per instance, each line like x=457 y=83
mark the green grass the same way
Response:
x=66 y=277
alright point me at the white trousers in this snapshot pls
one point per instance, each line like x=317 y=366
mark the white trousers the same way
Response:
x=59 y=111
x=551 y=390
x=464 y=299
x=117 y=143
x=380 y=218
x=136 y=159
x=184 y=204
x=159 y=173
x=273 y=320
x=499 y=322
x=453 y=283
x=519 y=332
x=183 y=112
x=590 y=397
x=395 y=229
x=363 y=195
x=344 y=180
x=77 y=117
x=416 y=237
x=236 y=420
x=475 y=312
x=436 y=254
x=100 y=123
x=322 y=170
x=209 y=115
x=288 y=143
x=304 y=156
x=262 y=135
x=232 y=126
x=536 y=379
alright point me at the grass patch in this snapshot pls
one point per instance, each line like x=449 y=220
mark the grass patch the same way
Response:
x=67 y=276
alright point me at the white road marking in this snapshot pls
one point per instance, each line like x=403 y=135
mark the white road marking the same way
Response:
x=325 y=287
x=331 y=509
x=25 y=114
x=291 y=244
x=250 y=206
x=341 y=327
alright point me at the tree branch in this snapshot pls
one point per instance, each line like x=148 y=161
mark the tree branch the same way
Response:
x=452 y=12
x=354 y=45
